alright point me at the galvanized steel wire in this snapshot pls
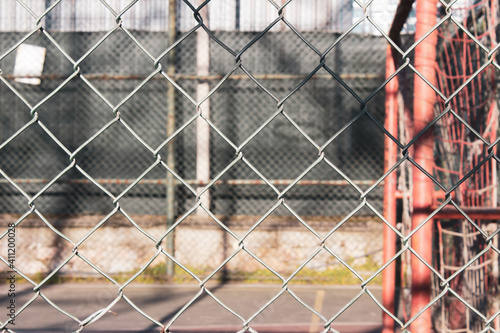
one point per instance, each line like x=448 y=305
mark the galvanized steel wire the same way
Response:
x=198 y=114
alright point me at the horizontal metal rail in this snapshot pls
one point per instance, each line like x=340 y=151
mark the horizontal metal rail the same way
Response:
x=233 y=182
x=475 y=213
x=234 y=77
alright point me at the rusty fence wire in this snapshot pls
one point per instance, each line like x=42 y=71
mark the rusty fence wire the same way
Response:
x=279 y=126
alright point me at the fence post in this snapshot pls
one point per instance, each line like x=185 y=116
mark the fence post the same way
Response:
x=423 y=187
x=390 y=159
x=202 y=90
x=172 y=31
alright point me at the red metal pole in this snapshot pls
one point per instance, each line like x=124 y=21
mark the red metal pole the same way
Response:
x=423 y=188
x=390 y=186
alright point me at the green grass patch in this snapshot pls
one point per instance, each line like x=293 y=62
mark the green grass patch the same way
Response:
x=333 y=275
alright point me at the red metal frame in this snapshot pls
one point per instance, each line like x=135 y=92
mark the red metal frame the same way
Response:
x=390 y=184
x=424 y=196
x=424 y=101
x=423 y=114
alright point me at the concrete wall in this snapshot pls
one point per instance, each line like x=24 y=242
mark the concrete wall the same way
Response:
x=200 y=243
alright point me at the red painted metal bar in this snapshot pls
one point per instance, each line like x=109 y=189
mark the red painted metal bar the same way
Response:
x=475 y=213
x=390 y=186
x=423 y=112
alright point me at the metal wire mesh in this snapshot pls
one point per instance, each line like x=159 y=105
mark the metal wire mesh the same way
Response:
x=267 y=127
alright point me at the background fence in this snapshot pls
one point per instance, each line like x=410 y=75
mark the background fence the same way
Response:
x=279 y=60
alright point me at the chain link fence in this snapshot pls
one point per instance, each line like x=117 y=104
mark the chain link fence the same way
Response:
x=204 y=154
x=114 y=159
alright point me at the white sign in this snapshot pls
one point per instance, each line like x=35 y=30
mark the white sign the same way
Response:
x=29 y=64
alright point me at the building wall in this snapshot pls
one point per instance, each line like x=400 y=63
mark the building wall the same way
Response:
x=152 y=15
x=200 y=244
x=238 y=15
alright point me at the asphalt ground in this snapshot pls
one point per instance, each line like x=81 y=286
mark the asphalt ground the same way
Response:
x=163 y=302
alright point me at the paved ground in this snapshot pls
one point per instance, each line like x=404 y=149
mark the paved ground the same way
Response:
x=162 y=302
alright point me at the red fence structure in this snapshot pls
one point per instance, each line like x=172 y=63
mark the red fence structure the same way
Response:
x=446 y=118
